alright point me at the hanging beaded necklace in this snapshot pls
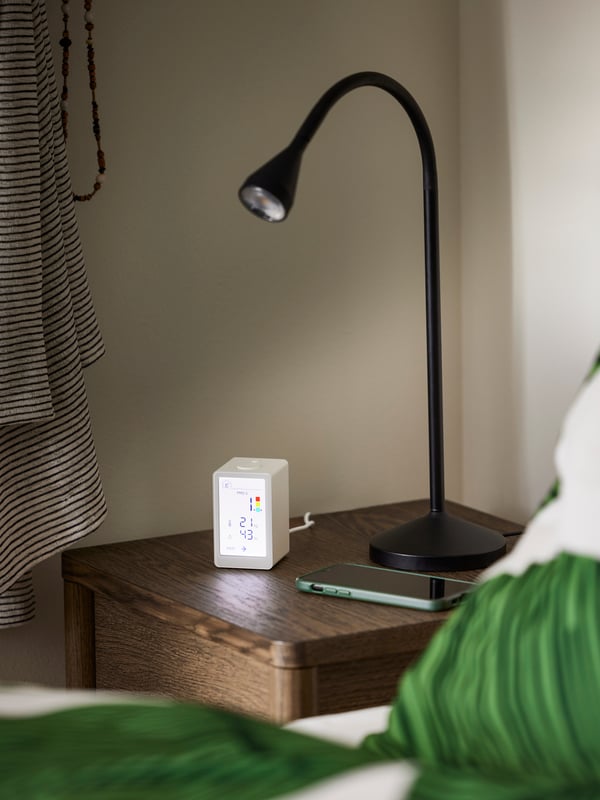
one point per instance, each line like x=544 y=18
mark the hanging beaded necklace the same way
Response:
x=65 y=43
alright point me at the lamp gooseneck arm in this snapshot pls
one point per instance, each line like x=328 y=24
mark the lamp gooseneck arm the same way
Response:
x=432 y=266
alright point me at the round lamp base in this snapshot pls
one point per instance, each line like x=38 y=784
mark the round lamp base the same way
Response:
x=437 y=542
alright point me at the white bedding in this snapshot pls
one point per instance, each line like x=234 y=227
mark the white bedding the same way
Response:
x=388 y=781
x=349 y=727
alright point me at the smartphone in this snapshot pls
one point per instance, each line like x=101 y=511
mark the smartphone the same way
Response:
x=388 y=586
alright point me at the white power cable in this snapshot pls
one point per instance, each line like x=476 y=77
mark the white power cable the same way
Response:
x=308 y=523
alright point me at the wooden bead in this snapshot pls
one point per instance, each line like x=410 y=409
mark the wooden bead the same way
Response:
x=65 y=43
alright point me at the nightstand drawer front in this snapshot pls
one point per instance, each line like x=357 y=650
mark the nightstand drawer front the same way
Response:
x=135 y=652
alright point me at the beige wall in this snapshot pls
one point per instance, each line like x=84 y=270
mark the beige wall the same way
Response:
x=530 y=188
x=226 y=336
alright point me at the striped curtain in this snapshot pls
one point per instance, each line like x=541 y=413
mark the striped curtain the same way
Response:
x=50 y=490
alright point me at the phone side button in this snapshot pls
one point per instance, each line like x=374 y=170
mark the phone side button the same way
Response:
x=328 y=590
x=343 y=593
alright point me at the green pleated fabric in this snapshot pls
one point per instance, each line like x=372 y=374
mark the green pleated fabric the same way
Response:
x=505 y=702
x=166 y=752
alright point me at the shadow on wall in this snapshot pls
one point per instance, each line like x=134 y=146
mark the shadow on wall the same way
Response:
x=491 y=452
x=45 y=663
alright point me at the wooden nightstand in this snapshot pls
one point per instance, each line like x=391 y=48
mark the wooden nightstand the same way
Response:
x=156 y=615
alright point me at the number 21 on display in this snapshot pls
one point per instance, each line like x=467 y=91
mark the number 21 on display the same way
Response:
x=247 y=533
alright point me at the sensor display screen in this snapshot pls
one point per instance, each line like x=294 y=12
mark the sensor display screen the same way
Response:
x=242 y=516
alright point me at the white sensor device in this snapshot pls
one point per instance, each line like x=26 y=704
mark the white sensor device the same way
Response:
x=251 y=513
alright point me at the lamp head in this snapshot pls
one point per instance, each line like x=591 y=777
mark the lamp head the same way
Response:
x=269 y=192
x=262 y=203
